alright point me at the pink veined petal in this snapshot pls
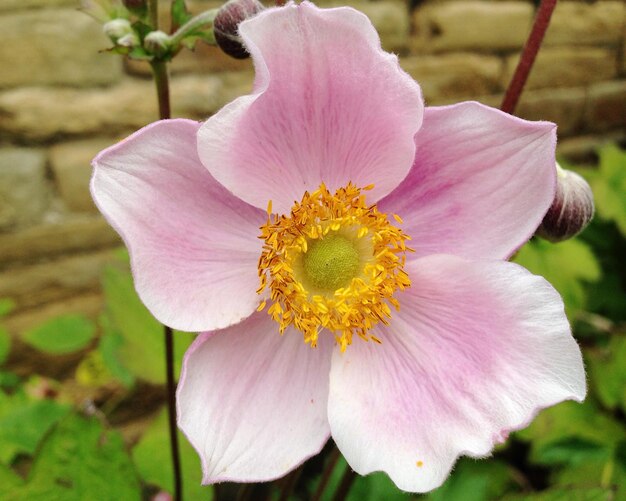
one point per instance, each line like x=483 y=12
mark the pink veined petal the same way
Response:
x=193 y=245
x=477 y=349
x=329 y=106
x=480 y=185
x=252 y=402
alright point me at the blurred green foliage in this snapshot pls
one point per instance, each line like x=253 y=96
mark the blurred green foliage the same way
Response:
x=155 y=466
x=57 y=440
x=64 y=334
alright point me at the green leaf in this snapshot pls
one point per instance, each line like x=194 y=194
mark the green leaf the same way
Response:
x=374 y=487
x=606 y=297
x=140 y=54
x=142 y=29
x=609 y=185
x=9 y=482
x=153 y=461
x=6 y=306
x=92 y=372
x=571 y=433
x=608 y=371
x=473 y=480
x=110 y=342
x=599 y=473
x=567 y=266
x=5 y=344
x=566 y=494
x=180 y=14
x=63 y=334
x=79 y=461
x=9 y=380
x=24 y=422
x=142 y=348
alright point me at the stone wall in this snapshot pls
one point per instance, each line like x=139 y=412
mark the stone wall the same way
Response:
x=62 y=100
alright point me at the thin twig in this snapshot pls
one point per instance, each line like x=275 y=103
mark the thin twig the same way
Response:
x=527 y=59
x=171 y=407
x=344 y=486
x=333 y=459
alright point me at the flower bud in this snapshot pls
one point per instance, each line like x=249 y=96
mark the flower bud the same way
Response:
x=131 y=40
x=136 y=6
x=572 y=208
x=226 y=25
x=117 y=28
x=157 y=42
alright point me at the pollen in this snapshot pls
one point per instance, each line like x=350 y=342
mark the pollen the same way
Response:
x=332 y=264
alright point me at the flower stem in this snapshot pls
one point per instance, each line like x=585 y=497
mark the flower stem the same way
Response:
x=153 y=9
x=171 y=406
x=529 y=53
x=200 y=21
x=161 y=80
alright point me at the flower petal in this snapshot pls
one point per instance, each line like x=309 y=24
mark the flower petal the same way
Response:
x=476 y=351
x=480 y=185
x=329 y=106
x=193 y=245
x=252 y=402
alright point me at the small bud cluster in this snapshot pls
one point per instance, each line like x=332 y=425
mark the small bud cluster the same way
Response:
x=572 y=208
x=128 y=25
x=226 y=25
x=121 y=32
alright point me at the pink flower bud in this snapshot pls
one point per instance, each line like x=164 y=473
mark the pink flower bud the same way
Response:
x=572 y=208
x=138 y=7
x=134 y=4
x=226 y=25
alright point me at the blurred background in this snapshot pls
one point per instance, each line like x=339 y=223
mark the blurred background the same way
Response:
x=81 y=360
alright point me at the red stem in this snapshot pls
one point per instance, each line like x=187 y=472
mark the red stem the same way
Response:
x=171 y=406
x=533 y=44
x=161 y=80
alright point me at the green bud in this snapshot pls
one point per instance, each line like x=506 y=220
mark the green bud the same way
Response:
x=117 y=28
x=157 y=43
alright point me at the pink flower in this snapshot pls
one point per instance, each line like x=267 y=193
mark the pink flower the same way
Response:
x=476 y=346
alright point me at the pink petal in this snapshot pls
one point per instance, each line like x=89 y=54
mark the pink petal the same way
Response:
x=329 y=106
x=193 y=246
x=477 y=349
x=481 y=182
x=252 y=402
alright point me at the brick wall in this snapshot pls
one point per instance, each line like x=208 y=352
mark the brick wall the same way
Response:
x=61 y=101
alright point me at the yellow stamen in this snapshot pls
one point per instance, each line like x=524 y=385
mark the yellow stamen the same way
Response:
x=333 y=263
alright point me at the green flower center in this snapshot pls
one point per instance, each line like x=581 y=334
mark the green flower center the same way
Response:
x=331 y=262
